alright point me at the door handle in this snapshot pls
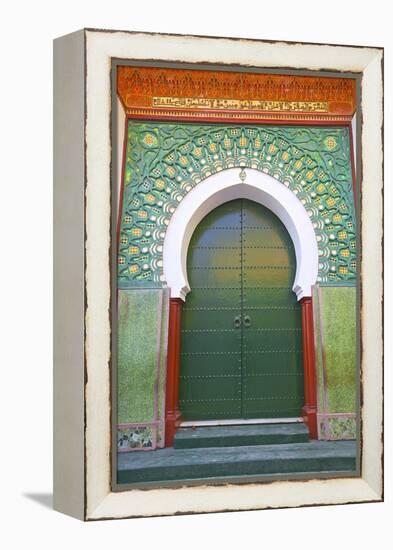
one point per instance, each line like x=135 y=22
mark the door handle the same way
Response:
x=247 y=321
x=237 y=321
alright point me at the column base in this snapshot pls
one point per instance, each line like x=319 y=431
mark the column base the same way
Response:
x=172 y=422
x=310 y=418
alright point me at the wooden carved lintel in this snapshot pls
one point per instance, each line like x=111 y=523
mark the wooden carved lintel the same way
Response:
x=234 y=96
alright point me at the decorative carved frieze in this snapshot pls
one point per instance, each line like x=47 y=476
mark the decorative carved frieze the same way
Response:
x=185 y=93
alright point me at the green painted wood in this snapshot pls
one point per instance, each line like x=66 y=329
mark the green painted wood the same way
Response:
x=226 y=462
x=272 y=363
x=241 y=353
x=210 y=377
x=233 y=436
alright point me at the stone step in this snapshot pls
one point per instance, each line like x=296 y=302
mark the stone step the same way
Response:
x=233 y=436
x=231 y=462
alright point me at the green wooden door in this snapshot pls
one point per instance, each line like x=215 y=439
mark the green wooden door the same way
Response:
x=241 y=354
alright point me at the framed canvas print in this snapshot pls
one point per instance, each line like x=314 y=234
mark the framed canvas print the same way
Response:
x=218 y=274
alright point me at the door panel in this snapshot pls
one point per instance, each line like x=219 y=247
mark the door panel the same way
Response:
x=210 y=381
x=273 y=339
x=200 y=391
x=268 y=318
x=264 y=363
x=216 y=297
x=267 y=391
x=215 y=276
x=266 y=235
x=212 y=409
x=241 y=353
x=210 y=340
x=211 y=367
x=268 y=296
x=268 y=275
x=215 y=257
x=197 y=318
x=272 y=366
x=222 y=235
x=279 y=257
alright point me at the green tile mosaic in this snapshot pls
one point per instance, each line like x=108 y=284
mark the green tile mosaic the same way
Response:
x=164 y=161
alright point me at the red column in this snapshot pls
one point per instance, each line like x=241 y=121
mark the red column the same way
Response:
x=172 y=413
x=310 y=377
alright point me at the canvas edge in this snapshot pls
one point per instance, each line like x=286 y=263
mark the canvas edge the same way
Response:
x=69 y=277
x=101 y=503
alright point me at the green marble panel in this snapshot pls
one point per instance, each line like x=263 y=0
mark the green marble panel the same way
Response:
x=141 y=356
x=335 y=328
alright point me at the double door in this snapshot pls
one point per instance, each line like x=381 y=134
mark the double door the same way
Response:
x=241 y=345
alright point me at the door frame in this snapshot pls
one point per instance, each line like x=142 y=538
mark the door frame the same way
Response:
x=215 y=190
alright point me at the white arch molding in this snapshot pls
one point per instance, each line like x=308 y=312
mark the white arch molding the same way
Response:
x=226 y=186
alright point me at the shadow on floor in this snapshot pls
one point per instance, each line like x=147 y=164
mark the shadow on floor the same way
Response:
x=45 y=499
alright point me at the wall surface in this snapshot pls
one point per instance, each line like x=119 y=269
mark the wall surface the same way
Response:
x=336 y=351
x=141 y=366
x=164 y=162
